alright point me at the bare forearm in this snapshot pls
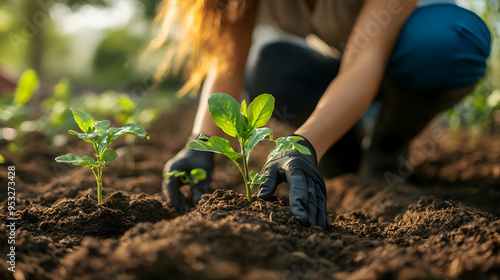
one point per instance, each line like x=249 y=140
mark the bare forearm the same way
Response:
x=343 y=103
x=361 y=72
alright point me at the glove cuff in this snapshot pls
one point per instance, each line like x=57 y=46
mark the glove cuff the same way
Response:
x=308 y=145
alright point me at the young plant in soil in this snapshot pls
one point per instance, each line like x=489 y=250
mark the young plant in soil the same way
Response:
x=129 y=112
x=122 y=109
x=245 y=124
x=15 y=111
x=57 y=118
x=100 y=135
x=192 y=179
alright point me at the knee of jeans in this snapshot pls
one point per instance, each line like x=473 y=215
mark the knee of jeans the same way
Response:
x=266 y=62
x=440 y=49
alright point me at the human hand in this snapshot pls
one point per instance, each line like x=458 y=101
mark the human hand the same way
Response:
x=187 y=160
x=307 y=187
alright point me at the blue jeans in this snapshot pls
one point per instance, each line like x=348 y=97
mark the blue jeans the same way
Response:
x=442 y=49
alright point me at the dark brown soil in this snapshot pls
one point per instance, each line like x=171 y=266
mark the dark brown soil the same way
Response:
x=443 y=226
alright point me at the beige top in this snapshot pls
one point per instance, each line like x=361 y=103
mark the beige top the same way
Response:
x=331 y=20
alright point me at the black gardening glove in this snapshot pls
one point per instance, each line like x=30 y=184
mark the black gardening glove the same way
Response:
x=307 y=187
x=186 y=160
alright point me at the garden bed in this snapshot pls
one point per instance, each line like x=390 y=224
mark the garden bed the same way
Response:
x=446 y=225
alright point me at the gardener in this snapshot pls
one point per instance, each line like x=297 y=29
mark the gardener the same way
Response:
x=415 y=58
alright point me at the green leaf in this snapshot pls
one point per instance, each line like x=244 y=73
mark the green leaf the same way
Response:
x=282 y=144
x=14 y=114
x=62 y=88
x=131 y=128
x=247 y=129
x=198 y=174
x=84 y=121
x=479 y=103
x=126 y=103
x=301 y=149
x=288 y=143
x=226 y=114
x=78 y=160
x=258 y=135
x=102 y=137
x=175 y=173
x=102 y=141
x=244 y=108
x=147 y=116
x=260 y=110
x=28 y=84
x=215 y=144
x=183 y=177
x=109 y=155
x=87 y=137
x=256 y=178
x=103 y=125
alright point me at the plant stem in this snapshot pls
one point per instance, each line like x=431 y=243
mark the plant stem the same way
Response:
x=99 y=171
x=249 y=192
x=99 y=184
x=99 y=190
x=245 y=167
x=98 y=179
x=239 y=168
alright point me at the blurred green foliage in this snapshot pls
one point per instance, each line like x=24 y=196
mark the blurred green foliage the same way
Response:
x=13 y=107
x=34 y=34
x=477 y=109
x=56 y=117
x=97 y=44
x=14 y=123
x=120 y=108
x=116 y=49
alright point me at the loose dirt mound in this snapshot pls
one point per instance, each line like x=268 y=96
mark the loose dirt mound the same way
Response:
x=77 y=218
x=49 y=233
x=228 y=238
x=446 y=227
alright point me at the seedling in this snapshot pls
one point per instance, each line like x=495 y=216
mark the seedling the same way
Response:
x=56 y=116
x=193 y=178
x=15 y=112
x=246 y=124
x=100 y=135
x=476 y=112
x=122 y=109
x=129 y=112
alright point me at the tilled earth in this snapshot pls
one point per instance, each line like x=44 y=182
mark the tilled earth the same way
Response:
x=444 y=225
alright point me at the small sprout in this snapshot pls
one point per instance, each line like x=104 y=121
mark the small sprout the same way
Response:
x=56 y=116
x=476 y=112
x=100 y=135
x=15 y=111
x=245 y=123
x=28 y=84
x=193 y=178
x=129 y=112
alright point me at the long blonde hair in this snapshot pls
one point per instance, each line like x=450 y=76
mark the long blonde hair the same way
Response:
x=198 y=28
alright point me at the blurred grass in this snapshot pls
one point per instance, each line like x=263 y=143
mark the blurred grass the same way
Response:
x=477 y=111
